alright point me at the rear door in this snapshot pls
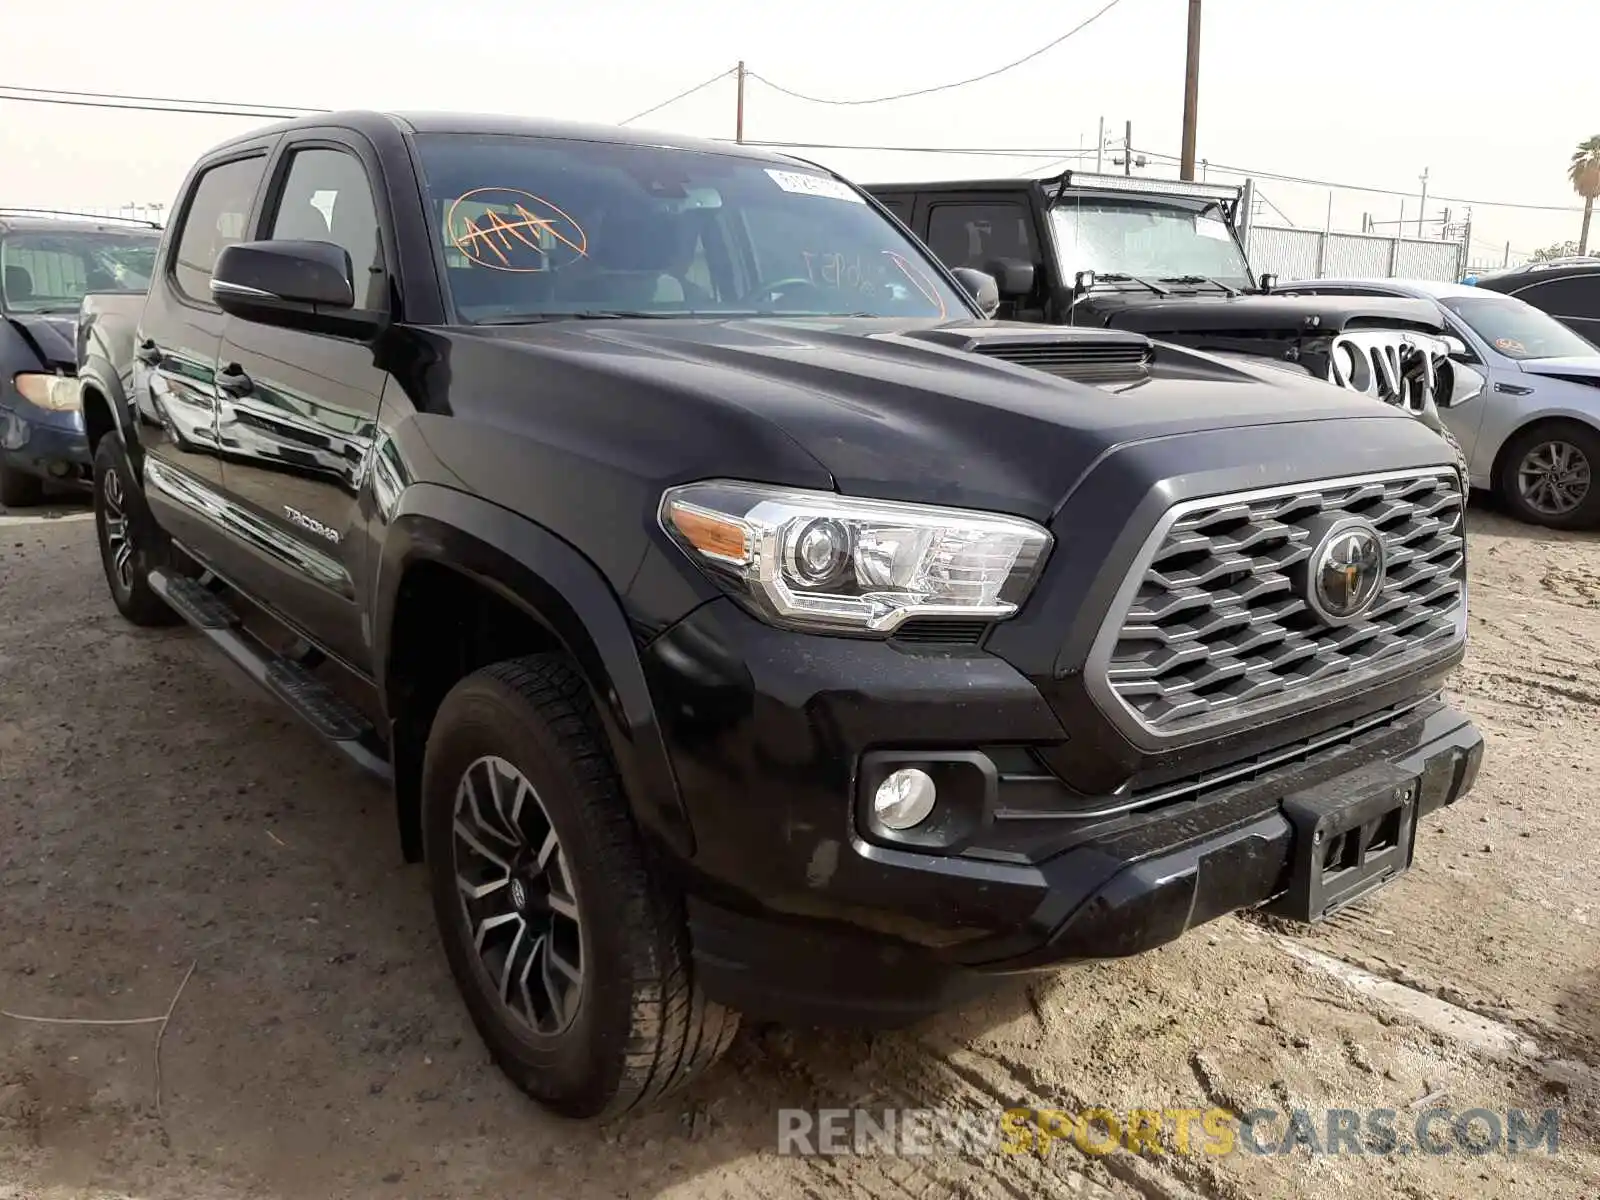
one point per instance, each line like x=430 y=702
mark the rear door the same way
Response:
x=174 y=389
x=298 y=411
x=1573 y=300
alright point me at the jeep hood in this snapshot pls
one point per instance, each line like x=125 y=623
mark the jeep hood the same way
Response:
x=905 y=410
x=53 y=336
x=1255 y=314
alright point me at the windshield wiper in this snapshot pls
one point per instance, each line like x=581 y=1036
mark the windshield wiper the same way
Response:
x=1144 y=283
x=1191 y=280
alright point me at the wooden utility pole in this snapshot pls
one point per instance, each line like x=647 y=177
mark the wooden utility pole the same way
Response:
x=1191 y=92
x=738 y=119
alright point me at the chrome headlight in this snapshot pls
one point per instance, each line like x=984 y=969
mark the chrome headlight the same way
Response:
x=815 y=560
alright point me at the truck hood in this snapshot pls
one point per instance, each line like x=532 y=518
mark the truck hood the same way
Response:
x=918 y=410
x=1584 y=366
x=1260 y=313
x=53 y=336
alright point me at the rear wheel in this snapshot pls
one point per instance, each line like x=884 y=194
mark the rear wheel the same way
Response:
x=1547 y=475
x=18 y=490
x=570 y=950
x=131 y=543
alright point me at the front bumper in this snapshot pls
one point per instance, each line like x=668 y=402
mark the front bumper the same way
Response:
x=801 y=910
x=37 y=441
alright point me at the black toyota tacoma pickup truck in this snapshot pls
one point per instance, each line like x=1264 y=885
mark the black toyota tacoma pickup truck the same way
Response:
x=745 y=623
x=1166 y=258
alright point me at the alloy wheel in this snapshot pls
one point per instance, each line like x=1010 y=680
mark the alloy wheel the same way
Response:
x=119 y=531
x=517 y=896
x=1553 y=478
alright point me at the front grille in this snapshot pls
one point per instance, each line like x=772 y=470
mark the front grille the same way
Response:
x=1219 y=626
x=1086 y=361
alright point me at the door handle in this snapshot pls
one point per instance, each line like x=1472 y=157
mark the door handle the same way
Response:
x=148 y=353
x=234 y=381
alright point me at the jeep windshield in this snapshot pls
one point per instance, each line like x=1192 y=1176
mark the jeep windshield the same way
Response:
x=534 y=229
x=1176 y=244
x=49 y=271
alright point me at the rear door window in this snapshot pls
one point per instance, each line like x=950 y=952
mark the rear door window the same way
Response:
x=216 y=218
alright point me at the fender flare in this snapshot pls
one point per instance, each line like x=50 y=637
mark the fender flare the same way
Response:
x=550 y=581
x=95 y=371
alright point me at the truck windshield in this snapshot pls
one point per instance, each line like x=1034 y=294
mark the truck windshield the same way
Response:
x=1518 y=329
x=1148 y=239
x=534 y=228
x=49 y=271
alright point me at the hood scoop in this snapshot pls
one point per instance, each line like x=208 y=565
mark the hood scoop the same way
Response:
x=1092 y=356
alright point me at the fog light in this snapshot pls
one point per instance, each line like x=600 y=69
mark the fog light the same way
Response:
x=904 y=799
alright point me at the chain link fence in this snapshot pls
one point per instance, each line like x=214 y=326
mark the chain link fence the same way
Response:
x=1311 y=254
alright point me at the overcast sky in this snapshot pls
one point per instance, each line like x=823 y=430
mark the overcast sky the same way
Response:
x=1490 y=97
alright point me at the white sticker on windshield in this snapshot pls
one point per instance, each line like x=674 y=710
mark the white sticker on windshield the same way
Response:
x=802 y=184
x=1212 y=228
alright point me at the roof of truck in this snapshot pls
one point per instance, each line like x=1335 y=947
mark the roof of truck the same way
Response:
x=501 y=123
x=956 y=185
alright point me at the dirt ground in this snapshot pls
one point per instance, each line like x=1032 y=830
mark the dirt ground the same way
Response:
x=156 y=812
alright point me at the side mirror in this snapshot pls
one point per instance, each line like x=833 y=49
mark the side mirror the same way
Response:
x=1464 y=384
x=1013 y=276
x=981 y=287
x=292 y=285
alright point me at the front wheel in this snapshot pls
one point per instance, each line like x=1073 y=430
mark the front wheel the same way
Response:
x=131 y=543
x=569 y=949
x=1547 y=475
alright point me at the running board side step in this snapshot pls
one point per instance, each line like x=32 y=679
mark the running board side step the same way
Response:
x=310 y=699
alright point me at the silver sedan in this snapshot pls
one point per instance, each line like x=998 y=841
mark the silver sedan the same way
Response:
x=1532 y=436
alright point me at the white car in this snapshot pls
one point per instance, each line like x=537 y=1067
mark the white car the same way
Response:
x=1532 y=435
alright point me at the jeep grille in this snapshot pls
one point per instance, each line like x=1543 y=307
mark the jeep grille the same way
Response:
x=1215 y=625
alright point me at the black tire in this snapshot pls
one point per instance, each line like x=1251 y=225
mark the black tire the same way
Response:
x=640 y=1027
x=131 y=543
x=18 y=490
x=1581 y=441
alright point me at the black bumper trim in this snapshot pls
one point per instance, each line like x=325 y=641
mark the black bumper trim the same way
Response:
x=1109 y=897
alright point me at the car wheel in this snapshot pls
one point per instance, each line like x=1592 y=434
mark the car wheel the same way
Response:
x=18 y=490
x=131 y=542
x=1548 y=475
x=570 y=950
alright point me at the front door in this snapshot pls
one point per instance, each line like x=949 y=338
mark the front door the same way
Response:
x=297 y=414
x=175 y=355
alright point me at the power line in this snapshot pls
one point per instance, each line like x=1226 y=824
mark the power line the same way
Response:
x=943 y=87
x=1357 y=187
x=117 y=100
x=291 y=108
x=167 y=108
x=680 y=96
x=996 y=151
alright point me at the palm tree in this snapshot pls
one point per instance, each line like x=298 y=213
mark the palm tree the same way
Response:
x=1585 y=176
